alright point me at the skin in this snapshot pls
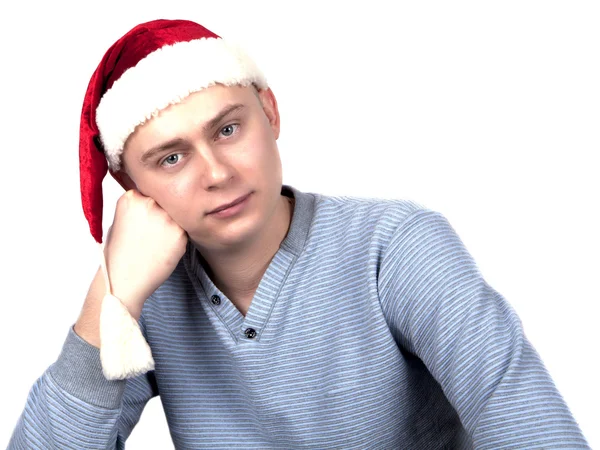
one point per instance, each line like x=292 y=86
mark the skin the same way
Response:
x=208 y=167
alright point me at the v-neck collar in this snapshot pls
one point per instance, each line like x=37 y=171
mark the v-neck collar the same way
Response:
x=216 y=302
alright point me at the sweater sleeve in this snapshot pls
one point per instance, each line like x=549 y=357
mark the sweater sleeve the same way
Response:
x=72 y=405
x=470 y=339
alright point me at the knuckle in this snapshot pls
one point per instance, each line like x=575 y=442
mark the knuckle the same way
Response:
x=126 y=197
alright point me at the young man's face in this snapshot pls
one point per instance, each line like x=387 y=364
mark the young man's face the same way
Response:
x=216 y=145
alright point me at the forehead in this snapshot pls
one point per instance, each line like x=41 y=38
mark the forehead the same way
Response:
x=192 y=113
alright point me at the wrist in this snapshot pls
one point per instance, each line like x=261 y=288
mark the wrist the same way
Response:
x=133 y=304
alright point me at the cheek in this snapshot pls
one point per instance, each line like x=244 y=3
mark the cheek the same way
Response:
x=263 y=150
x=271 y=159
x=175 y=197
x=179 y=196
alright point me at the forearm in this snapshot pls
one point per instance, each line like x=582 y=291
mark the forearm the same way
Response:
x=526 y=410
x=88 y=324
x=71 y=405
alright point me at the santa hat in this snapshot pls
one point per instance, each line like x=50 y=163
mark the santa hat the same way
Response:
x=154 y=65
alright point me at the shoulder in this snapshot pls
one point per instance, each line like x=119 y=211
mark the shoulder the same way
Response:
x=378 y=226
x=343 y=213
x=396 y=234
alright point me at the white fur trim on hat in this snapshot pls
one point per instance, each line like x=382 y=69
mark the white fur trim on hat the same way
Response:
x=165 y=77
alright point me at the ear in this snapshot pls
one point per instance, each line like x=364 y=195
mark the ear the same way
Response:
x=270 y=108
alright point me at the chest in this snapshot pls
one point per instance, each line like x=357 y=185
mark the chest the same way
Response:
x=323 y=372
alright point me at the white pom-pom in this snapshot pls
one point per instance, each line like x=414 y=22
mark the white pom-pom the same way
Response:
x=124 y=352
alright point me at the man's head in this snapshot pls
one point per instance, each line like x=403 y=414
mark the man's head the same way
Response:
x=209 y=149
x=157 y=75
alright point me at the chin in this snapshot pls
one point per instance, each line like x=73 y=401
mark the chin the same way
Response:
x=238 y=232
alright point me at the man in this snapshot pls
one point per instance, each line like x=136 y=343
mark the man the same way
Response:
x=272 y=318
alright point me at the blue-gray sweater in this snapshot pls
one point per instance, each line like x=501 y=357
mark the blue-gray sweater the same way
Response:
x=371 y=328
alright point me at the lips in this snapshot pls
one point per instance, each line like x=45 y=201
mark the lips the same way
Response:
x=229 y=205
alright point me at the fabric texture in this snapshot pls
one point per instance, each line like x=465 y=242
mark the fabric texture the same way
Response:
x=371 y=328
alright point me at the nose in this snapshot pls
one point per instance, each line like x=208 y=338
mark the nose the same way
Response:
x=215 y=169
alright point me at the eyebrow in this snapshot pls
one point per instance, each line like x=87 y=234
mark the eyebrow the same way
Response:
x=178 y=142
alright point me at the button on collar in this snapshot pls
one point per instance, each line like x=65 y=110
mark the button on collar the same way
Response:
x=250 y=333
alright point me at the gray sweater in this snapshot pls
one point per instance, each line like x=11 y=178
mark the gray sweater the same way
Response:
x=371 y=328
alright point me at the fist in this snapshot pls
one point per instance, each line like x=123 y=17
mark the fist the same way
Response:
x=142 y=249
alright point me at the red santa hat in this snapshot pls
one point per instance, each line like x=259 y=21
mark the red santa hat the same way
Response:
x=154 y=65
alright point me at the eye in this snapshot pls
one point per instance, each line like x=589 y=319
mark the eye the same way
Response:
x=229 y=130
x=171 y=160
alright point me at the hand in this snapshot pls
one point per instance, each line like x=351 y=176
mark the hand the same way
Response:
x=142 y=249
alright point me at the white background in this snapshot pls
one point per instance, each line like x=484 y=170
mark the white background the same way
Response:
x=488 y=112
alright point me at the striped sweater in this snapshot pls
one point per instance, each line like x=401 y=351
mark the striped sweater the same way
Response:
x=372 y=327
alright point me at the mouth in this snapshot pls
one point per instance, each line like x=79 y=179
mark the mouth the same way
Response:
x=237 y=201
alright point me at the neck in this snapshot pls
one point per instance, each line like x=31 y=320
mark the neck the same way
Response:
x=238 y=274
